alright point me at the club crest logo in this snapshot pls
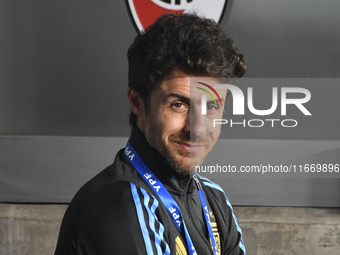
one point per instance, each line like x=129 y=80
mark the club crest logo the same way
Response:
x=145 y=12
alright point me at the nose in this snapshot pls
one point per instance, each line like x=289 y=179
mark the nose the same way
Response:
x=195 y=125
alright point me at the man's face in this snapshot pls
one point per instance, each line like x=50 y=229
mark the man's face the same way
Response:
x=174 y=126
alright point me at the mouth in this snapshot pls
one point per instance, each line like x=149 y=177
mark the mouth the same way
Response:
x=189 y=147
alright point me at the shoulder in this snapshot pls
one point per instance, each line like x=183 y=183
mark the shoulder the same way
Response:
x=108 y=223
x=212 y=187
x=214 y=190
x=92 y=222
x=111 y=176
x=114 y=213
x=110 y=207
x=122 y=217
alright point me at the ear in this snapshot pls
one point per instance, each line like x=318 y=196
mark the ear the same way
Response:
x=137 y=105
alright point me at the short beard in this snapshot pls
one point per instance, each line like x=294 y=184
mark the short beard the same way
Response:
x=178 y=168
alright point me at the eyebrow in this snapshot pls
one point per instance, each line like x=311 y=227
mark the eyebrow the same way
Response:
x=187 y=100
x=180 y=97
x=217 y=101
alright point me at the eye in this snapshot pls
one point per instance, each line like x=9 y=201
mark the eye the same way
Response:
x=211 y=107
x=179 y=106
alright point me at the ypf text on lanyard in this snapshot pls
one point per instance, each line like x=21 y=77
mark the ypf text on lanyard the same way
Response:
x=168 y=201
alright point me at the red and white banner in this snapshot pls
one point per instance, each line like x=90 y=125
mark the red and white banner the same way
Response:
x=145 y=12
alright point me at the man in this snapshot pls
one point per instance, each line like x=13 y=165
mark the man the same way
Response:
x=150 y=200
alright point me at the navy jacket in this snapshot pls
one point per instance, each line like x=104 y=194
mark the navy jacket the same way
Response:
x=118 y=213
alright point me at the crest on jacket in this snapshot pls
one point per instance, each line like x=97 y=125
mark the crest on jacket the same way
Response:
x=145 y=12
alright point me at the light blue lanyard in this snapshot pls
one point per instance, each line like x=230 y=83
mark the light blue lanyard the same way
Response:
x=168 y=201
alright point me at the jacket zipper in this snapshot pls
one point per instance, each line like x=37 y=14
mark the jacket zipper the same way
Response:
x=199 y=186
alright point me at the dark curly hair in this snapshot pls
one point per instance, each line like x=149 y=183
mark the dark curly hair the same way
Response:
x=194 y=45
